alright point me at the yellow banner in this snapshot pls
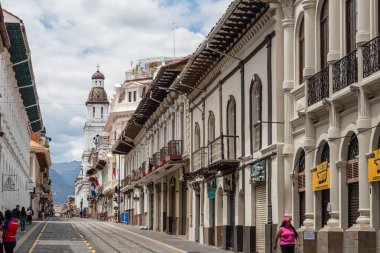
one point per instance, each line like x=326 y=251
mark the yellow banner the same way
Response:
x=374 y=167
x=321 y=177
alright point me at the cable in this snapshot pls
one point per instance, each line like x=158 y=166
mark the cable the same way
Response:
x=333 y=139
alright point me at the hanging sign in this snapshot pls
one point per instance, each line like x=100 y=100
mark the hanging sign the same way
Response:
x=321 y=177
x=211 y=193
x=374 y=167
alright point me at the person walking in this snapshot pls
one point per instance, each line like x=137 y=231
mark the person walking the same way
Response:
x=1 y=232
x=22 y=219
x=9 y=228
x=29 y=215
x=16 y=212
x=288 y=236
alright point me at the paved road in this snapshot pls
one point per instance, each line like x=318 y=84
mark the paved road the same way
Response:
x=88 y=236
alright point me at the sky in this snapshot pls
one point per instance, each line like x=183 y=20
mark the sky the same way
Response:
x=68 y=38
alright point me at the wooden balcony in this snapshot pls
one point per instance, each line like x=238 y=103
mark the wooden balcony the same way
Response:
x=222 y=153
x=318 y=87
x=173 y=152
x=200 y=159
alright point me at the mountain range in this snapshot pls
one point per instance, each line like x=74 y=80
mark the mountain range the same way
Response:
x=63 y=176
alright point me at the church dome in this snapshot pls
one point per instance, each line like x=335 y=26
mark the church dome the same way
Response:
x=97 y=95
x=97 y=75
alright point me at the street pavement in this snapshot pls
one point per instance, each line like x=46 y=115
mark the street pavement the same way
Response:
x=85 y=235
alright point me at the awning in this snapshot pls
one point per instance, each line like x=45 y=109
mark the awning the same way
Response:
x=90 y=172
x=22 y=67
x=100 y=164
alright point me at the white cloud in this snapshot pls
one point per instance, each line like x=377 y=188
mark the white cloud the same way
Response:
x=70 y=37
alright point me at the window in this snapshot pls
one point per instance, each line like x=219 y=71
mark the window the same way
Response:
x=324 y=23
x=93 y=112
x=101 y=112
x=135 y=96
x=231 y=128
x=211 y=127
x=129 y=96
x=301 y=52
x=181 y=125
x=256 y=112
x=351 y=15
x=301 y=186
x=173 y=126
x=197 y=137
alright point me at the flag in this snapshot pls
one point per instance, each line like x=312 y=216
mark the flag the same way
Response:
x=93 y=188
x=114 y=167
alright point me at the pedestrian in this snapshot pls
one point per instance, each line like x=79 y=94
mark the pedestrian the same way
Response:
x=9 y=228
x=1 y=231
x=288 y=236
x=22 y=219
x=29 y=215
x=16 y=212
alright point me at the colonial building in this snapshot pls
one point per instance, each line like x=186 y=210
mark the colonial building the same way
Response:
x=97 y=112
x=19 y=112
x=331 y=83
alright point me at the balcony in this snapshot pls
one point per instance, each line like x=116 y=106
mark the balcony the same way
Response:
x=371 y=57
x=345 y=71
x=171 y=153
x=126 y=181
x=318 y=87
x=222 y=153
x=200 y=159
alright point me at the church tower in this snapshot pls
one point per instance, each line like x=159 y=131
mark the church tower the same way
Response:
x=97 y=111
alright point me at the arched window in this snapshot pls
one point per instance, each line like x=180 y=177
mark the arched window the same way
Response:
x=231 y=128
x=211 y=127
x=181 y=124
x=301 y=51
x=325 y=157
x=324 y=24
x=256 y=114
x=197 y=137
x=301 y=187
x=93 y=111
x=101 y=112
x=173 y=126
x=351 y=25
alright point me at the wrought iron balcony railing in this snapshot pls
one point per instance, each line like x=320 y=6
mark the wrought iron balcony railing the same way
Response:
x=318 y=86
x=222 y=148
x=345 y=71
x=200 y=159
x=371 y=57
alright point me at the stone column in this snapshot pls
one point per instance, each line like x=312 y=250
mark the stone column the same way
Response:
x=287 y=86
x=334 y=146
x=363 y=33
x=334 y=32
x=309 y=19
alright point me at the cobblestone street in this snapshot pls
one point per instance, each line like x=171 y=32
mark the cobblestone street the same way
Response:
x=81 y=235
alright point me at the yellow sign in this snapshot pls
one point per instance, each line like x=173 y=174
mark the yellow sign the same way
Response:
x=321 y=177
x=374 y=167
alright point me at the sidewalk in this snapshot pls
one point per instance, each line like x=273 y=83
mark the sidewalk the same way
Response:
x=171 y=240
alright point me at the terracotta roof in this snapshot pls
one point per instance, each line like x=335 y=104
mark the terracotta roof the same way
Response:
x=97 y=95
x=35 y=145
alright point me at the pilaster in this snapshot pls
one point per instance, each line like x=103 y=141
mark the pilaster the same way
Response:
x=309 y=19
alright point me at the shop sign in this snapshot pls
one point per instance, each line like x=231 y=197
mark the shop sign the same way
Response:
x=211 y=193
x=321 y=177
x=374 y=167
x=258 y=171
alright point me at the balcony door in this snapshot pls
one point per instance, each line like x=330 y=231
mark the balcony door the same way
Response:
x=351 y=25
x=231 y=129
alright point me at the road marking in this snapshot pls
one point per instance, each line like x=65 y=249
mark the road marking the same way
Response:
x=84 y=240
x=149 y=239
x=38 y=238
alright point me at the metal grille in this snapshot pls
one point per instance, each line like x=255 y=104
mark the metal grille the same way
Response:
x=371 y=57
x=318 y=87
x=325 y=202
x=353 y=203
x=345 y=71
x=301 y=181
x=353 y=148
x=302 y=207
x=261 y=217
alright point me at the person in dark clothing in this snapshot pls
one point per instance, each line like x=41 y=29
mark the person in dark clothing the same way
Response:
x=22 y=219
x=16 y=212
x=9 y=228
x=29 y=215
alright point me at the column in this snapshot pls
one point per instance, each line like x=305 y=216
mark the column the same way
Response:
x=334 y=146
x=363 y=25
x=334 y=32
x=309 y=147
x=309 y=19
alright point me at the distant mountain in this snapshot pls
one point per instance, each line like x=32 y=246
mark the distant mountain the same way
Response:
x=63 y=176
